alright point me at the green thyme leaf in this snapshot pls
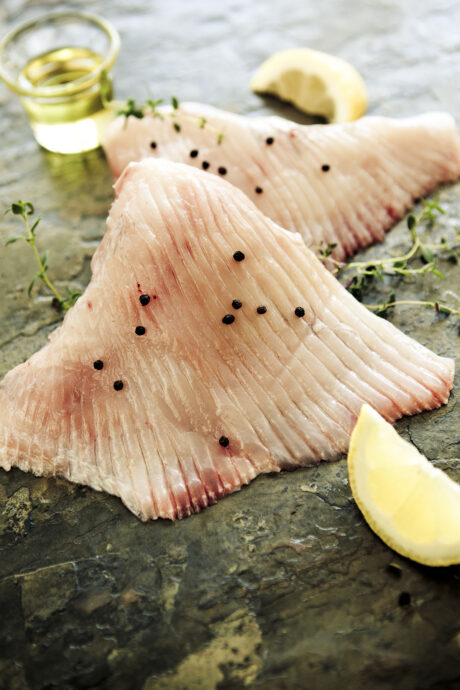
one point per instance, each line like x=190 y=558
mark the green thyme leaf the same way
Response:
x=174 y=103
x=32 y=283
x=328 y=250
x=411 y=221
x=427 y=254
x=18 y=208
x=34 y=226
x=13 y=239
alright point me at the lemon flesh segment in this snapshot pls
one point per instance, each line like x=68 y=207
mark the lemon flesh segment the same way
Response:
x=315 y=82
x=412 y=506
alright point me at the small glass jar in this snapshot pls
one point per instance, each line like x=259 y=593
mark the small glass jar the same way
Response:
x=59 y=65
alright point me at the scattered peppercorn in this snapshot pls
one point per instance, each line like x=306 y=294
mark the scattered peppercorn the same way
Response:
x=238 y=256
x=194 y=153
x=224 y=441
x=269 y=140
x=261 y=309
x=222 y=170
x=236 y=304
x=404 y=599
x=144 y=300
x=140 y=330
x=153 y=144
x=325 y=168
x=228 y=319
x=259 y=190
x=299 y=311
x=98 y=364
x=205 y=165
x=118 y=385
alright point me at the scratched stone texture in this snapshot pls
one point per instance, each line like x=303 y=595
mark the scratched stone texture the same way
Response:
x=281 y=585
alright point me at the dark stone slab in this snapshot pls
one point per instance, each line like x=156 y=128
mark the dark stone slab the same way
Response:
x=281 y=585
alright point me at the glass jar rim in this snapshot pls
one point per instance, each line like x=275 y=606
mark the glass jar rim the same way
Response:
x=69 y=88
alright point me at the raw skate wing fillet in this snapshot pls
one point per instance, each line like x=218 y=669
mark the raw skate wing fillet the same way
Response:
x=339 y=184
x=210 y=345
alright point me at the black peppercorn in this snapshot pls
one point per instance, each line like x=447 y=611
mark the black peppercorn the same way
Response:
x=404 y=599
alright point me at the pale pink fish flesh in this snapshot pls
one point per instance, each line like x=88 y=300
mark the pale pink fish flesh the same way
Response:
x=283 y=387
x=335 y=184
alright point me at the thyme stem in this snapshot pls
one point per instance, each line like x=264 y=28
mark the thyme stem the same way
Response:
x=438 y=306
x=41 y=265
x=389 y=261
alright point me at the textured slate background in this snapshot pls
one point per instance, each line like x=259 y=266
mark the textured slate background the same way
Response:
x=281 y=585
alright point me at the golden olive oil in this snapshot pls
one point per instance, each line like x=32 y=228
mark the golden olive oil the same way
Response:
x=66 y=123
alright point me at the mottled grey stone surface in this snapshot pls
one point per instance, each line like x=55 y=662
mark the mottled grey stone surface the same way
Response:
x=281 y=585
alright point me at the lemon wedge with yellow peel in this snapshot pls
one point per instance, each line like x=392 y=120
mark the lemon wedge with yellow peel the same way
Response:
x=411 y=505
x=315 y=82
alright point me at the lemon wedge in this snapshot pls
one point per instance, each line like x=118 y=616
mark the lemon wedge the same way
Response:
x=411 y=505
x=315 y=82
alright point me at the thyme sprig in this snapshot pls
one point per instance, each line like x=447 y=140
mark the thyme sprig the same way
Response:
x=365 y=273
x=439 y=307
x=400 y=264
x=131 y=108
x=25 y=209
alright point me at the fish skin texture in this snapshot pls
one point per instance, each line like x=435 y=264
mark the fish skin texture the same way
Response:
x=285 y=390
x=377 y=166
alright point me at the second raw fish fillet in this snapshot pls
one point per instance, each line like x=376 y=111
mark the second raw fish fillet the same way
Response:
x=335 y=184
x=210 y=345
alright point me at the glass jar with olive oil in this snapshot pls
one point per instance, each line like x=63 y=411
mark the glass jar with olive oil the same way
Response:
x=59 y=65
